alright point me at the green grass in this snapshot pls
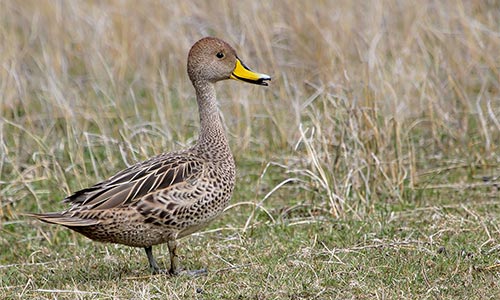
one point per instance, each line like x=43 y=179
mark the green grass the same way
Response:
x=433 y=251
x=368 y=169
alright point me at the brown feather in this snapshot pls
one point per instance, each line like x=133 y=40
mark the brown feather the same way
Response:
x=133 y=183
x=64 y=220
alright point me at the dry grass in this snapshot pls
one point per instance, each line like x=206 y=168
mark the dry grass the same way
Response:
x=377 y=110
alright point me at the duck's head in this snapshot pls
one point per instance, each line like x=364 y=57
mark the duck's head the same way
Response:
x=211 y=59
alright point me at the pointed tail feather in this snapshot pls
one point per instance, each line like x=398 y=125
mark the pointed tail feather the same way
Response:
x=63 y=219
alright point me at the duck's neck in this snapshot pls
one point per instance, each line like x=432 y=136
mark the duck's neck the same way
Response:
x=212 y=135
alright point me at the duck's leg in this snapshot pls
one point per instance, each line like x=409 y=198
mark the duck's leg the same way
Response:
x=155 y=269
x=175 y=268
x=174 y=258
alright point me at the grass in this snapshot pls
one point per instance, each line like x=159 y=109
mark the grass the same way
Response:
x=369 y=168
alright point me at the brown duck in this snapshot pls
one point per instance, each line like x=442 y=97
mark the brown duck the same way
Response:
x=174 y=194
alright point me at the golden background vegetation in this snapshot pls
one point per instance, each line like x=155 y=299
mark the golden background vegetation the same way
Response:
x=371 y=102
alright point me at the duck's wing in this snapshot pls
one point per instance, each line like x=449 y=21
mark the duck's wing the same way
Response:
x=128 y=186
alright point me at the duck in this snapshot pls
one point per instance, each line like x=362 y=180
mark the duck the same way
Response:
x=173 y=194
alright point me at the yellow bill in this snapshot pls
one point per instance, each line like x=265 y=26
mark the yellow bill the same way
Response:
x=243 y=73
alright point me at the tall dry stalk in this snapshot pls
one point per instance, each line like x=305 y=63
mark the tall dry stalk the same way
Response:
x=366 y=96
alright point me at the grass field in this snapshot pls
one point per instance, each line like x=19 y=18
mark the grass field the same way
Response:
x=368 y=169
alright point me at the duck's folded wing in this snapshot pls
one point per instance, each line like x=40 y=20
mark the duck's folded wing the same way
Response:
x=129 y=185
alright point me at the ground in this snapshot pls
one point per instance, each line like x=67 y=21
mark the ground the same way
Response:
x=369 y=168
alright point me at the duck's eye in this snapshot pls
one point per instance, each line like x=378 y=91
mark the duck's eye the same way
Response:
x=219 y=55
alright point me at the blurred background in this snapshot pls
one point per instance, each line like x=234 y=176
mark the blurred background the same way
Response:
x=366 y=98
x=374 y=106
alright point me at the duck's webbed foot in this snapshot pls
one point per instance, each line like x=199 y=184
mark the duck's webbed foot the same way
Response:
x=175 y=268
x=193 y=273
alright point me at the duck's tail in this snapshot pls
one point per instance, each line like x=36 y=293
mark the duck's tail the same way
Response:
x=64 y=219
